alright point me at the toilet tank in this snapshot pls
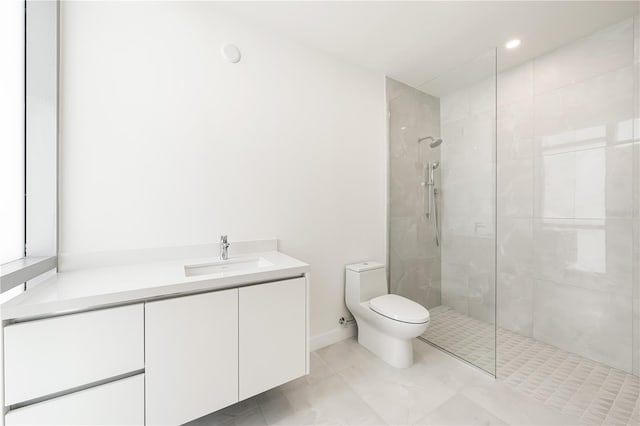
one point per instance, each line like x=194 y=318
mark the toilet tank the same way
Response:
x=364 y=281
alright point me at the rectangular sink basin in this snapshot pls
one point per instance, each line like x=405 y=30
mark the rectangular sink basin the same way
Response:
x=237 y=265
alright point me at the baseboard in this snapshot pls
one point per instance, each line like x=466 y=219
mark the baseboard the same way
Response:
x=332 y=336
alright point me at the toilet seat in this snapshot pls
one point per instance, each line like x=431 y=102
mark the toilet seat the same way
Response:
x=399 y=308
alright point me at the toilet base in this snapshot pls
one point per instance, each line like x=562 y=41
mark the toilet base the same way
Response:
x=395 y=352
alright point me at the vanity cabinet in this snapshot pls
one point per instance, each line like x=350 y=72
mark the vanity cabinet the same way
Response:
x=164 y=361
x=191 y=356
x=273 y=335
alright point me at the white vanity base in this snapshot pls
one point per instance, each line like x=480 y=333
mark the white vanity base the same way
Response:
x=163 y=354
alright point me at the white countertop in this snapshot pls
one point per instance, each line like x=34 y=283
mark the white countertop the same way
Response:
x=99 y=287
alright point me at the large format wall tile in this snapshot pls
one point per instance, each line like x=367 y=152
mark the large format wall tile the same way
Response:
x=482 y=97
x=482 y=295
x=406 y=193
x=595 y=324
x=589 y=254
x=604 y=51
x=515 y=275
x=515 y=85
x=455 y=286
x=454 y=107
x=636 y=38
x=515 y=187
x=515 y=303
x=587 y=184
x=414 y=258
x=515 y=248
x=468 y=283
x=474 y=252
x=603 y=184
x=469 y=197
x=515 y=131
x=603 y=100
x=420 y=281
x=555 y=185
x=588 y=114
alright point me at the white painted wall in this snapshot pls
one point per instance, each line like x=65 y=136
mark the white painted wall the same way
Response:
x=163 y=143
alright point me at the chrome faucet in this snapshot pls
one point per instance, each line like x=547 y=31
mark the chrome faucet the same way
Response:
x=224 y=247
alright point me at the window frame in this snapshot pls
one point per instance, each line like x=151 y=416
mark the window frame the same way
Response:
x=42 y=40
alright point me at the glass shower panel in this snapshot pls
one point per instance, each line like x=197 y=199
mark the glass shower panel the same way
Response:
x=566 y=161
x=442 y=141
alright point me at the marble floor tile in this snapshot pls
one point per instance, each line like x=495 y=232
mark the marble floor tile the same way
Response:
x=539 y=385
x=328 y=401
x=398 y=396
x=247 y=413
x=460 y=410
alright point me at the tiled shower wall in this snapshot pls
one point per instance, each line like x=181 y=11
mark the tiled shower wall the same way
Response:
x=414 y=258
x=468 y=120
x=565 y=197
x=568 y=197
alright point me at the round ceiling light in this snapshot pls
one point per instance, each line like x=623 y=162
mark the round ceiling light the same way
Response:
x=231 y=53
x=512 y=44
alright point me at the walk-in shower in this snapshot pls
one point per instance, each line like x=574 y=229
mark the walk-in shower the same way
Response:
x=521 y=232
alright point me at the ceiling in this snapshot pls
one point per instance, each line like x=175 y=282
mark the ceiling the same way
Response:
x=416 y=42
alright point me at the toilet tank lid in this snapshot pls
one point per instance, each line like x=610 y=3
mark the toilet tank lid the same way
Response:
x=365 y=266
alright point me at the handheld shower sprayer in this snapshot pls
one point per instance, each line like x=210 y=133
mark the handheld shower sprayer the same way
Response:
x=432 y=191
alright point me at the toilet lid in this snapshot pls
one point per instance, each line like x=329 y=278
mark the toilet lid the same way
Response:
x=399 y=308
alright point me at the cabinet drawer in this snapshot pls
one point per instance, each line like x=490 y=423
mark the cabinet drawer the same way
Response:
x=55 y=354
x=116 y=403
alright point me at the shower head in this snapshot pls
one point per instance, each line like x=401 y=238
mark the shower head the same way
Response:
x=435 y=143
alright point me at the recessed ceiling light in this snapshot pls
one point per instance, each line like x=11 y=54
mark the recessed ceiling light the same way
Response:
x=512 y=44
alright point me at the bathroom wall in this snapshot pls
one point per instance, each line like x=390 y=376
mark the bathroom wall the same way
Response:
x=468 y=193
x=163 y=143
x=565 y=197
x=414 y=257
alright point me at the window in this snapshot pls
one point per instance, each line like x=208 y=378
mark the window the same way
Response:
x=12 y=133
x=28 y=140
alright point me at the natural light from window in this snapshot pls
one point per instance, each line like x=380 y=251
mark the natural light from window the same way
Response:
x=11 y=130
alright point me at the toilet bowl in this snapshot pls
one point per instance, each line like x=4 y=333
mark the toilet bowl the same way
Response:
x=387 y=323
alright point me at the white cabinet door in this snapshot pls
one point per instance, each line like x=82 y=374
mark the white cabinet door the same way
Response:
x=191 y=356
x=272 y=335
x=116 y=403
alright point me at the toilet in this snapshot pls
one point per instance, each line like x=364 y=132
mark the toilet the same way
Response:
x=387 y=323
